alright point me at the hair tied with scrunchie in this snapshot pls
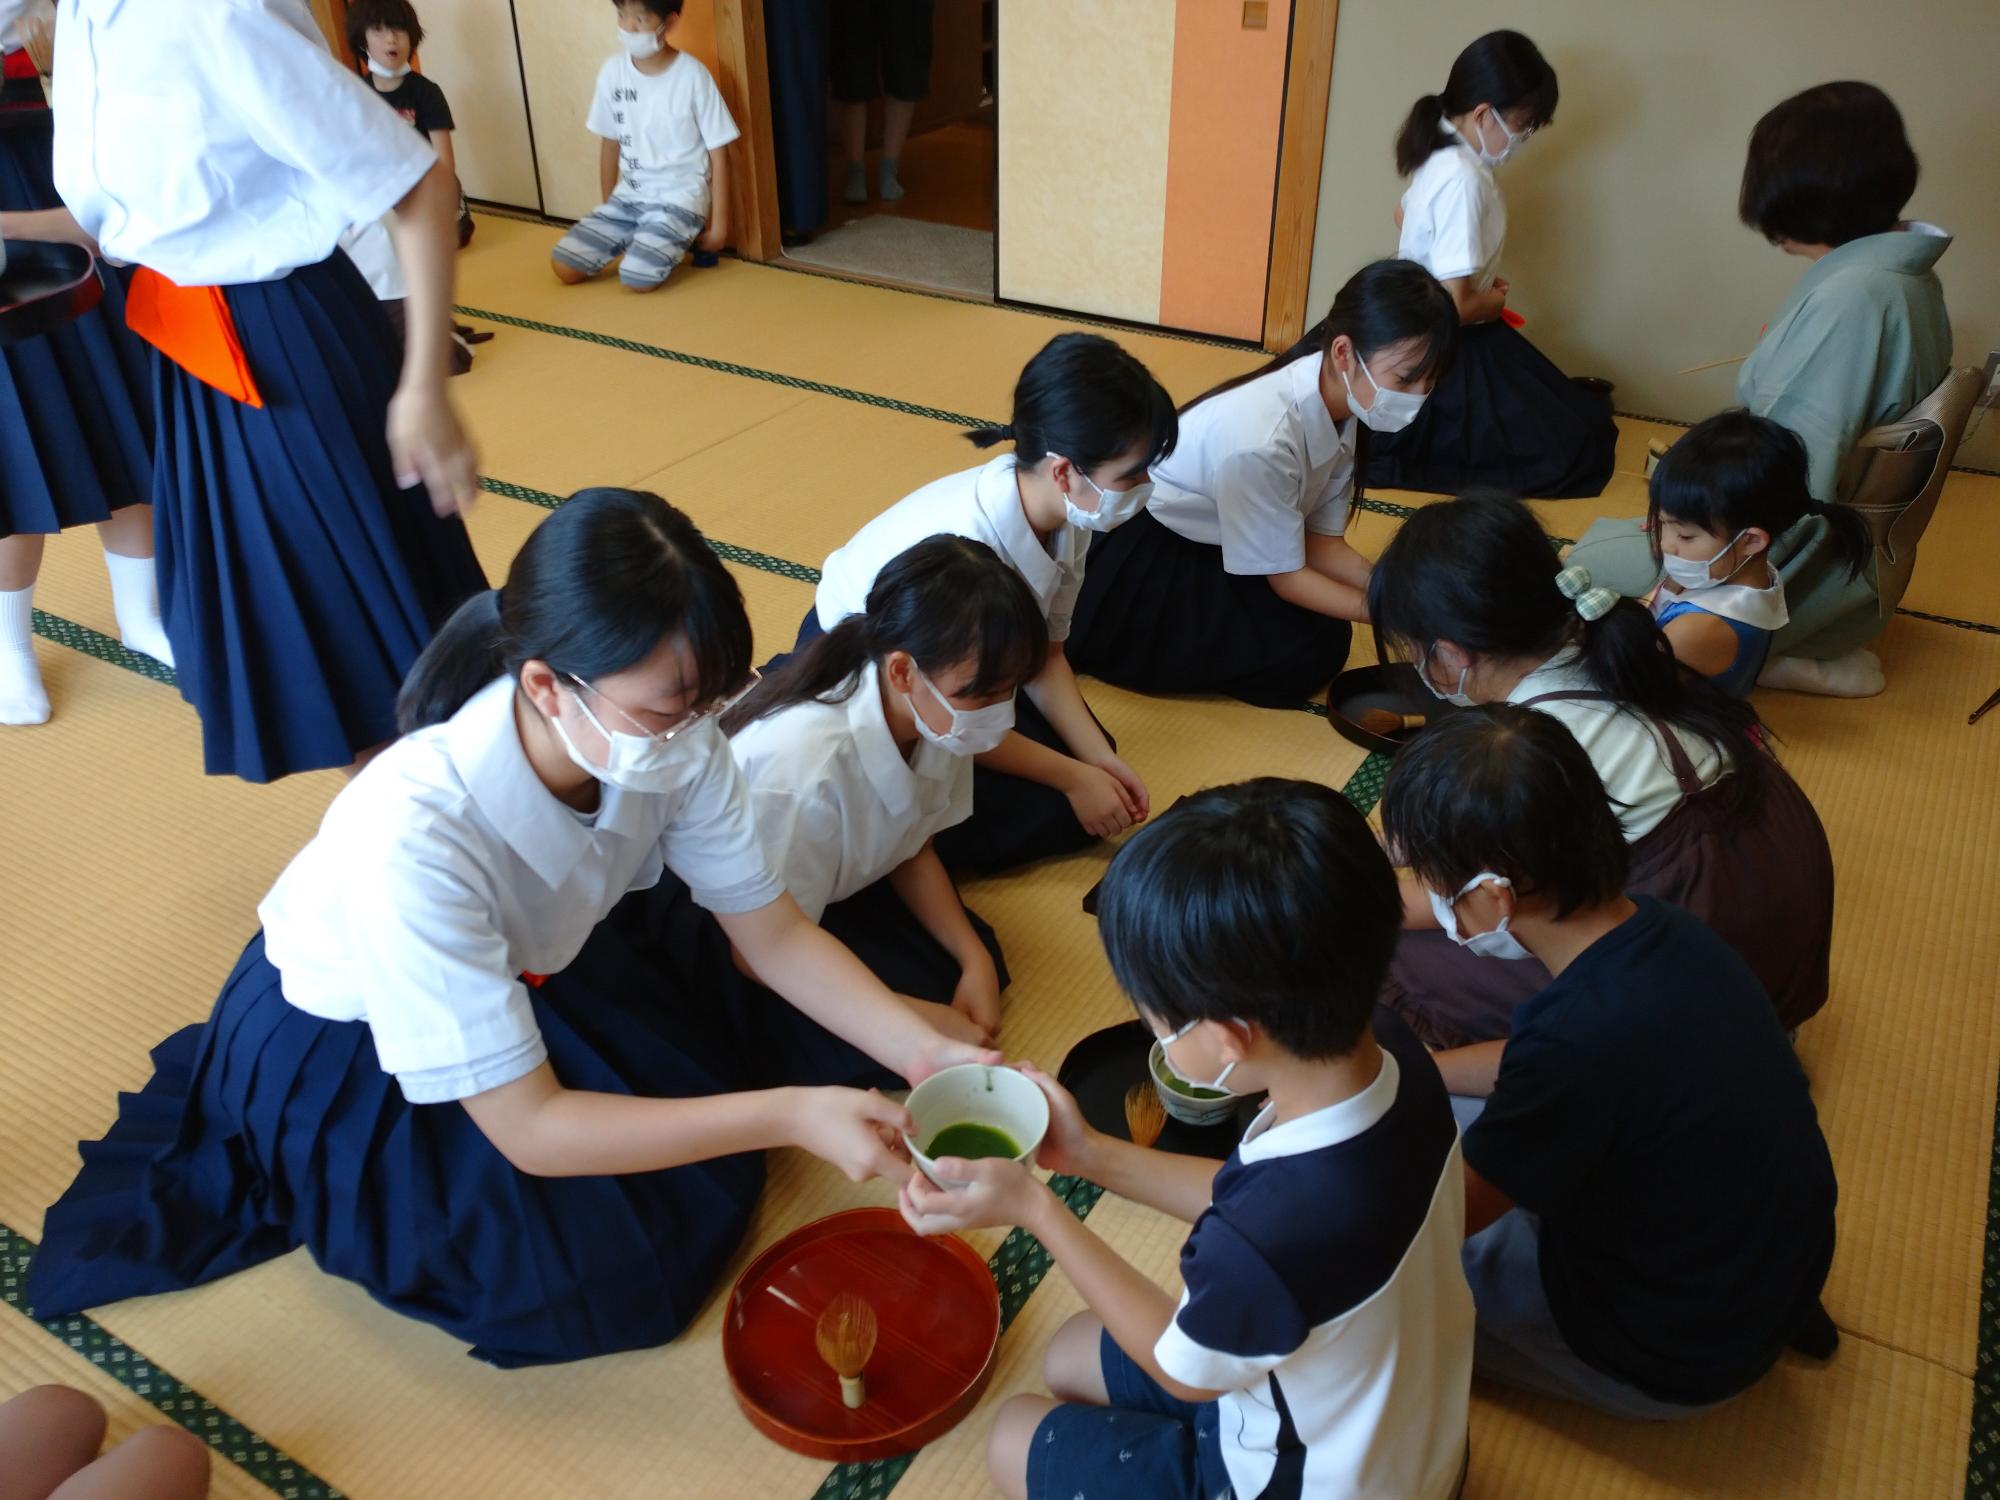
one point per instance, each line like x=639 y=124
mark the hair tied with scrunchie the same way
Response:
x=1591 y=603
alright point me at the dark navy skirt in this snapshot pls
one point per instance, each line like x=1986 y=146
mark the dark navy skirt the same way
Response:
x=1014 y=822
x=265 y=1128
x=298 y=583
x=76 y=404
x=1504 y=417
x=1159 y=614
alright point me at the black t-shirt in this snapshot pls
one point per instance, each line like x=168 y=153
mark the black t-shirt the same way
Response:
x=419 y=101
x=1650 y=1110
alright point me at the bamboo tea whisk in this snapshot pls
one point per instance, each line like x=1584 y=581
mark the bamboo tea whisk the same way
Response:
x=1145 y=1115
x=846 y=1338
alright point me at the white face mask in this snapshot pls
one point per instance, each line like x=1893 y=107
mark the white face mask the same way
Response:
x=640 y=45
x=1218 y=1084
x=1391 y=411
x=1458 y=694
x=1114 y=507
x=381 y=72
x=1691 y=575
x=1494 y=158
x=641 y=762
x=973 y=731
x=1499 y=943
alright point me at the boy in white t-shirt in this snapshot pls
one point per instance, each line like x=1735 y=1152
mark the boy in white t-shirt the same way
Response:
x=1321 y=1344
x=664 y=165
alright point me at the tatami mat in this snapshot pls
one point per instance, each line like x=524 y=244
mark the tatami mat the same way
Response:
x=129 y=895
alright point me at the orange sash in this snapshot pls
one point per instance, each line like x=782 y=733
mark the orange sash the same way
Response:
x=191 y=325
x=19 y=65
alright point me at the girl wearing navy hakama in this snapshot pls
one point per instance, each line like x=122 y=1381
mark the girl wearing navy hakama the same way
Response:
x=1239 y=578
x=1505 y=417
x=76 y=430
x=1088 y=422
x=859 y=755
x=481 y=1059
x=301 y=569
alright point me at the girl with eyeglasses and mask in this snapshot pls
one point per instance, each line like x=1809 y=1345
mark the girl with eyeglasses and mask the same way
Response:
x=1505 y=416
x=480 y=1058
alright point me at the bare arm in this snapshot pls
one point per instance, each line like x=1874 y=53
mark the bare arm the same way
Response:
x=56 y=226
x=1703 y=643
x=607 y=167
x=547 y=1130
x=426 y=440
x=441 y=143
x=717 y=234
x=824 y=980
x=1470 y=1072
x=926 y=888
x=1476 y=306
x=1311 y=589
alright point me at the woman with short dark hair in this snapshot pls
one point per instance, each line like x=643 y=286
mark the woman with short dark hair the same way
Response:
x=1862 y=338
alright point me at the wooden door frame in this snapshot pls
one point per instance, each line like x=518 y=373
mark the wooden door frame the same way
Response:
x=1301 y=148
x=746 y=85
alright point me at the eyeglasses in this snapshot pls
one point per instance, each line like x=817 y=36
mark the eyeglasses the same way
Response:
x=687 y=721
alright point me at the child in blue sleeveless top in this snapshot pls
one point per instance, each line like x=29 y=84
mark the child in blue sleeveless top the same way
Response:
x=1718 y=498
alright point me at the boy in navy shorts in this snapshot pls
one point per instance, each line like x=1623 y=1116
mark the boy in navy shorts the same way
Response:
x=1321 y=1343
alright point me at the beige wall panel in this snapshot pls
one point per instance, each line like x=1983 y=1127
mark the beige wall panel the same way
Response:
x=1084 y=92
x=469 y=52
x=563 y=43
x=1623 y=245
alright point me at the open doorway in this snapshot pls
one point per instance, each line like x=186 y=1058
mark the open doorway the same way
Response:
x=887 y=141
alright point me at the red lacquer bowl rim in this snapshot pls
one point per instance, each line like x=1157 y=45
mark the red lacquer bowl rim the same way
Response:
x=906 y=1439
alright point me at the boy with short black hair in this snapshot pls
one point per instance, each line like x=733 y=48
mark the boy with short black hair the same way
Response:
x=384 y=36
x=1322 y=1342
x=664 y=163
x=1649 y=1197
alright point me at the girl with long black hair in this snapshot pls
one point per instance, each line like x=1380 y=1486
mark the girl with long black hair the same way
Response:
x=485 y=1056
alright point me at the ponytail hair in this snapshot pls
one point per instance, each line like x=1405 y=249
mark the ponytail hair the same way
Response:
x=1385 y=303
x=594 y=590
x=1503 y=69
x=1089 y=400
x=1737 y=470
x=1480 y=572
x=947 y=600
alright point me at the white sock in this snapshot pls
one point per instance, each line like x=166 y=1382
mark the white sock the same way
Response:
x=135 y=599
x=23 y=700
x=1855 y=675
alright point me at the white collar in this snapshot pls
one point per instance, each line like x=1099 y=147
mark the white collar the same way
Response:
x=893 y=779
x=1563 y=670
x=485 y=748
x=997 y=493
x=1264 y=1141
x=1763 y=609
x=1325 y=438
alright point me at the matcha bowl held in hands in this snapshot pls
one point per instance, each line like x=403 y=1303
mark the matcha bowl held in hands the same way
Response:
x=971 y=1111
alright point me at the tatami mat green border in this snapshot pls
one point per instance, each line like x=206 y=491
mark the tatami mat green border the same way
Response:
x=263 y=1461
x=1020 y=1263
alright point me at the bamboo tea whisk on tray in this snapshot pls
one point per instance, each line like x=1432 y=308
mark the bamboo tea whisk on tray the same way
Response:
x=1145 y=1115
x=846 y=1338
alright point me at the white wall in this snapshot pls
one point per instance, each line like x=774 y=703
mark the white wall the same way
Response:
x=469 y=53
x=1623 y=246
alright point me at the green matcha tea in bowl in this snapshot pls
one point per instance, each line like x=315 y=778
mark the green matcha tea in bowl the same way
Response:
x=971 y=1111
x=1187 y=1102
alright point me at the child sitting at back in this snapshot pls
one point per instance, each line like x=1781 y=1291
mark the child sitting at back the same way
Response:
x=1321 y=1343
x=1718 y=497
x=1648 y=1196
x=384 y=36
x=663 y=166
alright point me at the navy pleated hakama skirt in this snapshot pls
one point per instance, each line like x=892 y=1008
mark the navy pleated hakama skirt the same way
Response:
x=297 y=581
x=76 y=403
x=1160 y=614
x=1014 y=822
x=265 y=1128
x=1504 y=417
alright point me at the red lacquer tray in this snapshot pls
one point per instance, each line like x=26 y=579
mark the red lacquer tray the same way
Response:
x=938 y=1313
